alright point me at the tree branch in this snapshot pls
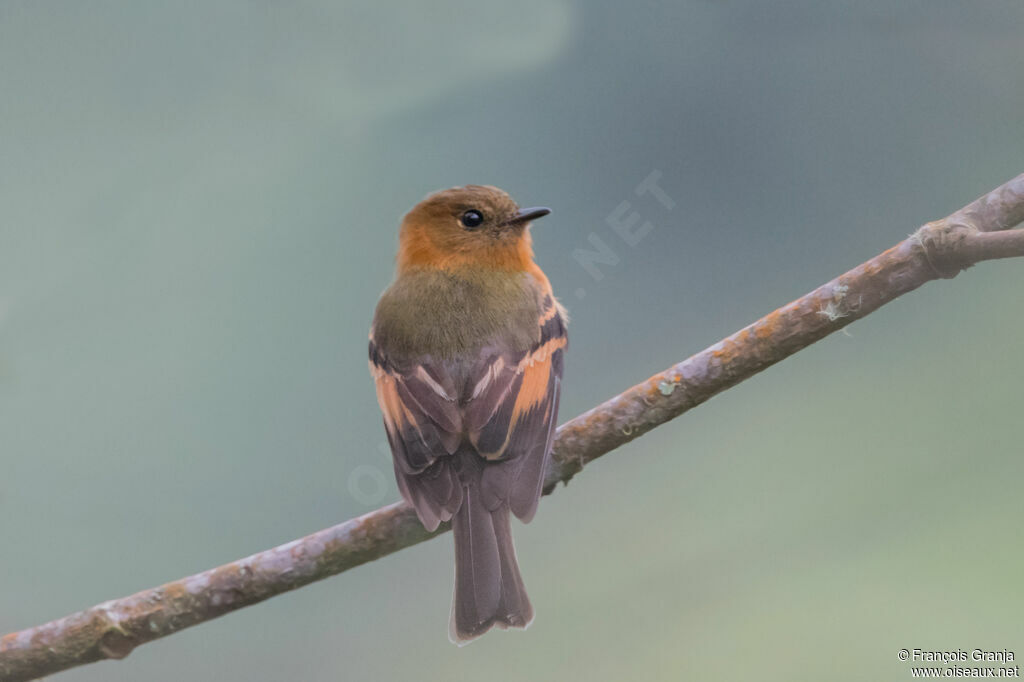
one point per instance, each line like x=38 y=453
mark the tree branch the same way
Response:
x=940 y=249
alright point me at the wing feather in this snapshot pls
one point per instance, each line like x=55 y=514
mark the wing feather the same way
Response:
x=501 y=408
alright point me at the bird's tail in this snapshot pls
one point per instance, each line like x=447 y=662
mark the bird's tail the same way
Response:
x=488 y=588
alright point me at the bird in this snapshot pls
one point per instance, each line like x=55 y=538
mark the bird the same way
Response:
x=466 y=352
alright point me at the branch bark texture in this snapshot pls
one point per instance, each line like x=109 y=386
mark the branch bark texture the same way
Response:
x=940 y=249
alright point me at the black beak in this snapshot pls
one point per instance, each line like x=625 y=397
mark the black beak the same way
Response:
x=525 y=215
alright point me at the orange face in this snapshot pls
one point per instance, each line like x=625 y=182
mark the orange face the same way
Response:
x=474 y=225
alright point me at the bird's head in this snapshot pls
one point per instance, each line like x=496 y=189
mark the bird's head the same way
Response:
x=471 y=226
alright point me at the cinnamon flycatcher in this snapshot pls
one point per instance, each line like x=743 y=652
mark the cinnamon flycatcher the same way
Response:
x=466 y=351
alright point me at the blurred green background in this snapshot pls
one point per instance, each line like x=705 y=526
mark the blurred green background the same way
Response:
x=198 y=209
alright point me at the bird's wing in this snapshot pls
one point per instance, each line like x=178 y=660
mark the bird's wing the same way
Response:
x=512 y=413
x=505 y=412
x=423 y=422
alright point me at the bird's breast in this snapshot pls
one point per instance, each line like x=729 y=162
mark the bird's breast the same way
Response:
x=456 y=315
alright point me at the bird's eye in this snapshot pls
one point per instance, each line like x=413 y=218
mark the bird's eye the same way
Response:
x=472 y=219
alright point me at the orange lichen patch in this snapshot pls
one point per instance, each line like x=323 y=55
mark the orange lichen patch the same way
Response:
x=175 y=591
x=876 y=265
x=768 y=326
x=726 y=352
x=227 y=574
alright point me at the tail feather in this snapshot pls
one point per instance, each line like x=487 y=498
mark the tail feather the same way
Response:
x=489 y=590
x=514 y=609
